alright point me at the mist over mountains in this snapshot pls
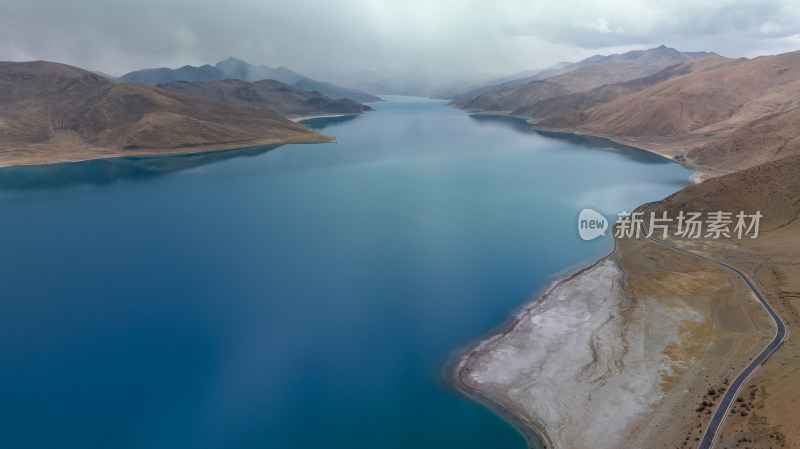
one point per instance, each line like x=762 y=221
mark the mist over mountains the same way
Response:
x=366 y=85
x=589 y=73
x=233 y=68
x=271 y=95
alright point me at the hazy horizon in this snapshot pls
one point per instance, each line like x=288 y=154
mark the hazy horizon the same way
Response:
x=330 y=38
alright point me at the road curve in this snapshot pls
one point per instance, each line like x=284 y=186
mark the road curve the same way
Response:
x=721 y=412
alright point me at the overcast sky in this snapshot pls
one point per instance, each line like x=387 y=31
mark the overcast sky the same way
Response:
x=315 y=37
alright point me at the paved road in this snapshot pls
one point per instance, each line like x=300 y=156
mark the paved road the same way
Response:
x=733 y=389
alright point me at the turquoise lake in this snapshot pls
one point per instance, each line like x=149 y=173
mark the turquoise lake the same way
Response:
x=295 y=296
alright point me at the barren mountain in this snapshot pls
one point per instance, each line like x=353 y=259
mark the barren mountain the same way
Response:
x=772 y=188
x=584 y=78
x=572 y=103
x=269 y=95
x=587 y=74
x=51 y=112
x=708 y=104
x=233 y=68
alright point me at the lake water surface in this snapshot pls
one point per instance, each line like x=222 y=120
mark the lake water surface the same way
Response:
x=295 y=296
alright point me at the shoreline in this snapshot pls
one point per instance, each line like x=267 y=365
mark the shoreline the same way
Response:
x=533 y=438
x=619 y=353
x=58 y=153
x=534 y=432
x=310 y=117
x=523 y=369
x=461 y=356
x=701 y=172
x=683 y=355
x=34 y=156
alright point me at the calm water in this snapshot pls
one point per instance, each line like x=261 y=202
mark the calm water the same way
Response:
x=289 y=297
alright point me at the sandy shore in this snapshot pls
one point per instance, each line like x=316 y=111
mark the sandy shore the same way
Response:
x=622 y=353
x=577 y=330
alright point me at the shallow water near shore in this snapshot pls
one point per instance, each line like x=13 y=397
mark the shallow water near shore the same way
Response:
x=291 y=296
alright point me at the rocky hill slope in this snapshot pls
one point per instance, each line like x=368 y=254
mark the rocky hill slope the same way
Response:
x=51 y=111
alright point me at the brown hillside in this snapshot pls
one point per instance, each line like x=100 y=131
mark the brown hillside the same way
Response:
x=52 y=112
x=579 y=80
x=710 y=103
x=572 y=103
x=772 y=187
x=655 y=58
x=763 y=140
x=270 y=95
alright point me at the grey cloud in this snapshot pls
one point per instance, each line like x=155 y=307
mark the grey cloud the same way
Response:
x=629 y=23
x=319 y=37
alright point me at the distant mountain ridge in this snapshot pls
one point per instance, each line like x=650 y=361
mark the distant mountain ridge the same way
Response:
x=709 y=102
x=591 y=72
x=658 y=56
x=233 y=68
x=571 y=103
x=267 y=94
